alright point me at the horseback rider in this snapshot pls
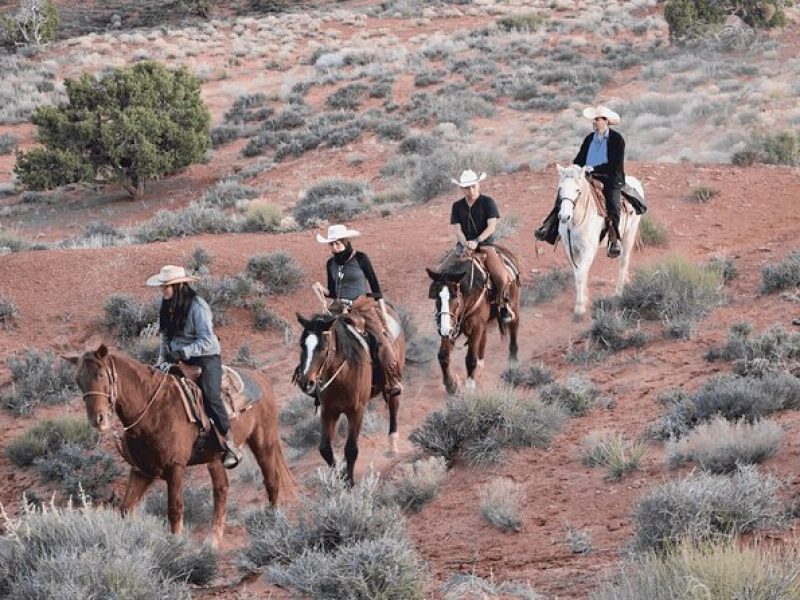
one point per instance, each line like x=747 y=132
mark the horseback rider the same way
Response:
x=350 y=276
x=603 y=154
x=473 y=220
x=187 y=335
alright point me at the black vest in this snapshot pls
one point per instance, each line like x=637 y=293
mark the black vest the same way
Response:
x=349 y=279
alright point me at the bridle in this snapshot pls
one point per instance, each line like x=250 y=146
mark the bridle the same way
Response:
x=461 y=314
x=113 y=394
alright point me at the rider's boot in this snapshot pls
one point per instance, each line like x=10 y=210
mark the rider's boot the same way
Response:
x=232 y=455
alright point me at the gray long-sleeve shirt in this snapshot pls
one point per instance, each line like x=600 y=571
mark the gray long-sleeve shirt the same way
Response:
x=197 y=338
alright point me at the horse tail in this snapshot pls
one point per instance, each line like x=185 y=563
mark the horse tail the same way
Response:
x=286 y=482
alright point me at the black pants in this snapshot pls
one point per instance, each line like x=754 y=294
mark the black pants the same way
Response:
x=210 y=384
x=613 y=195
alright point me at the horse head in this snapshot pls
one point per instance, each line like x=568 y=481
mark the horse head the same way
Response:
x=316 y=342
x=570 y=184
x=445 y=289
x=97 y=379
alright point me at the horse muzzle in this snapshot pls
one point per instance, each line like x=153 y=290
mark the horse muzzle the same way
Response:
x=101 y=421
x=306 y=385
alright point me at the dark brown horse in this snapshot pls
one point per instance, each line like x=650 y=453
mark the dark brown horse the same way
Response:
x=464 y=305
x=158 y=439
x=336 y=367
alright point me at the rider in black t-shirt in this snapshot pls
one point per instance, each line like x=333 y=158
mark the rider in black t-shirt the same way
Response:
x=473 y=219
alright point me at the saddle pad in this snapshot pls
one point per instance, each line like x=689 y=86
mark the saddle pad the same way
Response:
x=239 y=391
x=394 y=326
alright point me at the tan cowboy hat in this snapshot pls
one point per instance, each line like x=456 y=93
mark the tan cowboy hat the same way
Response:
x=170 y=274
x=592 y=113
x=468 y=178
x=337 y=232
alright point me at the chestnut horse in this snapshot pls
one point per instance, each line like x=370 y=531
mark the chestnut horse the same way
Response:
x=337 y=369
x=463 y=305
x=158 y=439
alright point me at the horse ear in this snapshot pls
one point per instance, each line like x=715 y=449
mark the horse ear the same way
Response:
x=102 y=351
x=71 y=358
x=433 y=274
x=303 y=321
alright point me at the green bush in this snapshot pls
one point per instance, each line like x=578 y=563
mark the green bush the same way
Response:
x=478 y=427
x=38 y=378
x=715 y=570
x=278 y=272
x=702 y=507
x=127 y=316
x=262 y=216
x=781 y=149
x=691 y=17
x=610 y=330
x=130 y=126
x=47 y=437
x=94 y=553
x=35 y=23
x=344 y=543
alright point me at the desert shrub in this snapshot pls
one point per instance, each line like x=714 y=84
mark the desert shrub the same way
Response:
x=192 y=220
x=421 y=144
x=79 y=470
x=479 y=426
x=34 y=23
x=199 y=261
x=146 y=347
x=267 y=319
x=343 y=544
x=278 y=272
x=545 y=287
x=726 y=266
x=693 y=17
x=248 y=107
x=262 y=216
x=296 y=409
x=38 y=378
x=227 y=193
x=500 y=503
x=703 y=194
x=392 y=130
x=333 y=199
x=528 y=22
x=781 y=276
x=9 y=313
x=415 y=484
x=223 y=292
x=611 y=450
x=47 y=437
x=652 y=233
x=610 y=330
x=719 y=446
x=8 y=141
x=702 y=507
x=530 y=376
x=13 y=242
x=128 y=316
x=89 y=137
x=579 y=541
x=730 y=396
x=781 y=149
x=224 y=134
x=774 y=350
x=197 y=505
x=673 y=291
x=429 y=77
x=347 y=97
x=577 y=397
x=720 y=570
x=90 y=552
x=469 y=586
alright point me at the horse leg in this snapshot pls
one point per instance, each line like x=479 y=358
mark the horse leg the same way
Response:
x=351 y=446
x=628 y=240
x=581 y=273
x=219 y=484
x=445 y=349
x=138 y=483
x=394 y=404
x=327 y=420
x=265 y=454
x=175 y=498
x=474 y=358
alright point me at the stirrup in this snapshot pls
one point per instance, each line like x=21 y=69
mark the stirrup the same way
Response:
x=232 y=457
x=506 y=314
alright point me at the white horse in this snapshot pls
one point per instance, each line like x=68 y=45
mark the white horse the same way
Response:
x=581 y=225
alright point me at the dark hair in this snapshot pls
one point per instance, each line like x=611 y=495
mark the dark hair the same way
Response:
x=174 y=311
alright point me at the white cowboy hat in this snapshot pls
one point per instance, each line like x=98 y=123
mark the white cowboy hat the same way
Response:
x=337 y=232
x=468 y=178
x=592 y=113
x=170 y=274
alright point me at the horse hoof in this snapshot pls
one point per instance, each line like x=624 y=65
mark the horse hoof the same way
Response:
x=392 y=448
x=470 y=384
x=213 y=541
x=578 y=316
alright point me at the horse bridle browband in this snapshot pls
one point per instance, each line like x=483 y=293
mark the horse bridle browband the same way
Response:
x=111 y=373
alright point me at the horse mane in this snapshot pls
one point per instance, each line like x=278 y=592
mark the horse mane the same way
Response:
x=346 y=343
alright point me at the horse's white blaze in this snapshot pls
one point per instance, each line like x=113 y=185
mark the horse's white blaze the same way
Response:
x=311 y=344
x=444 y=317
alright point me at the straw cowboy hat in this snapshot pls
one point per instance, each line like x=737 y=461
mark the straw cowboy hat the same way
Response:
x=169 y=275
x=468 y=178
x=592 y=113
x=337 y=232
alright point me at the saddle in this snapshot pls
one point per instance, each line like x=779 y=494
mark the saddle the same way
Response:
x=239 y=393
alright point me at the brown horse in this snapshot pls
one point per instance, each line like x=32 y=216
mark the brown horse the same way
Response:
x=336 y=367
x=464 y=305
x=158 y=439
